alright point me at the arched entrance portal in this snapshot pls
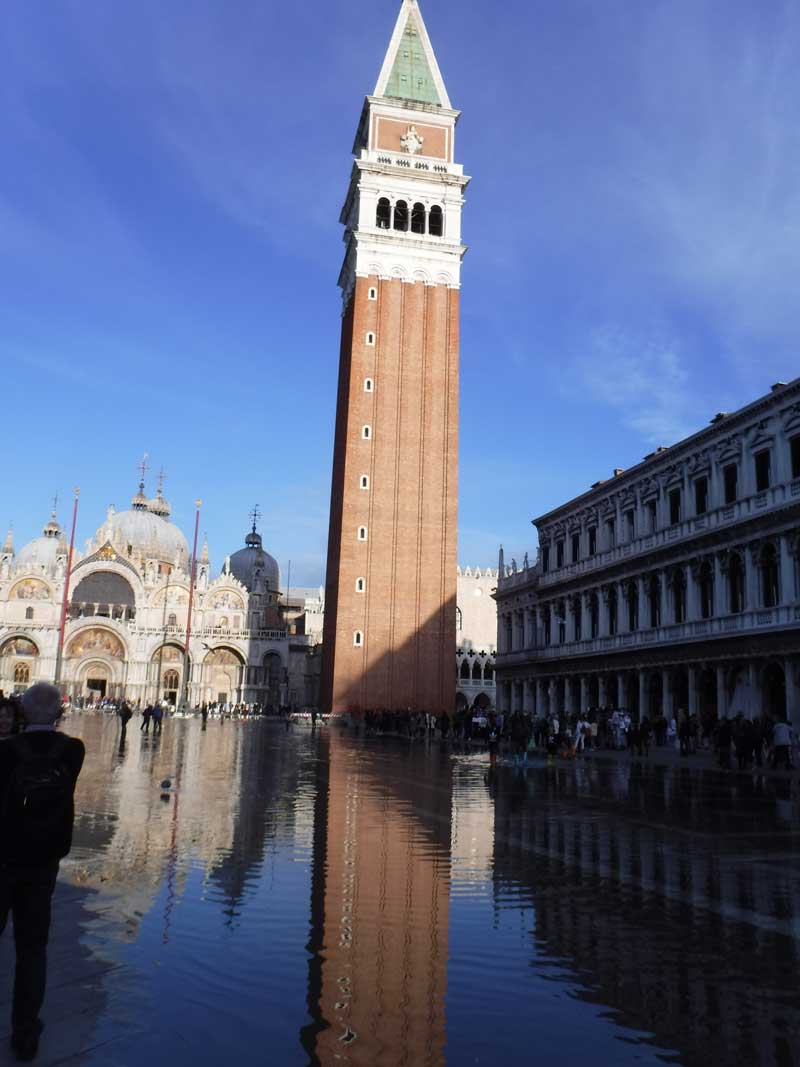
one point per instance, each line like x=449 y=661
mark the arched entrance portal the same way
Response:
x=167 y=673
x=17 y=664
x=223 y=669
x=461 y=702
x=483 y=702
x=97 y=658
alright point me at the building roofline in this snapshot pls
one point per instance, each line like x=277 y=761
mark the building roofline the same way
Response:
x=657 y=458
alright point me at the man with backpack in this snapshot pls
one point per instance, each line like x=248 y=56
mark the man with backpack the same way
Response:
x=38 y=772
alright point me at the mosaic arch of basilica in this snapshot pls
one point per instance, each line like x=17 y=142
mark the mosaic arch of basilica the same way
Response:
x=128 y=609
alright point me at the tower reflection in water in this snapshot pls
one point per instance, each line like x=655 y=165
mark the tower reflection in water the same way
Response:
x=354 y=894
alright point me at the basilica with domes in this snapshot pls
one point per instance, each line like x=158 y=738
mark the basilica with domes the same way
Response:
x=127 y=613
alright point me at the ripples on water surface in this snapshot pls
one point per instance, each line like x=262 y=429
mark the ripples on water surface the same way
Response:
x=302 y=898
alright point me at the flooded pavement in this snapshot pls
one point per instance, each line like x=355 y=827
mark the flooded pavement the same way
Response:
x=298 y=898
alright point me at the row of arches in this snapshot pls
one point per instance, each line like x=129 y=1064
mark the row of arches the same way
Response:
x=416 y=218
x=478 y=673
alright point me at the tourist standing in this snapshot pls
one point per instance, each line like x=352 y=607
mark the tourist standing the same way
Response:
x=781 y=744
x=38 y=772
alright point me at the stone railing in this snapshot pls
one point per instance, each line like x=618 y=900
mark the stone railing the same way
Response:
x=717 y=519
x=756 y=621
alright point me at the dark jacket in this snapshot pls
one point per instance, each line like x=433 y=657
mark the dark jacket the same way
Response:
x=14 y=848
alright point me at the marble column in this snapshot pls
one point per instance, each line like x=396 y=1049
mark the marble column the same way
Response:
x=541 y=697
x=644 y=708
x=792 y=692
x=751 y=582
x=603 y=692
x=585 y=694
x=694 y=700
x=666 y=616
x=720 y=589
x=788 y=591
x=722 y=694
x=667 y=699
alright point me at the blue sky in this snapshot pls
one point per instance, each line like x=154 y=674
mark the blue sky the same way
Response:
x=171 y=180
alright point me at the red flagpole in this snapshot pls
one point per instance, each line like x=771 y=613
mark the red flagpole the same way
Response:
x=185 y=694
x=65 y=601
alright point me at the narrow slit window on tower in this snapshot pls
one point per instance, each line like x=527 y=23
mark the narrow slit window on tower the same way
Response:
x=401 y=215
x=436 y=222
x=362 y=533
x=368 y=385
x=373 y=293
x=371 y=339
x=361 y=585
x=366 y=433
x=358 y=639
x=365 y=481
x=418 y=218
x=384 y=214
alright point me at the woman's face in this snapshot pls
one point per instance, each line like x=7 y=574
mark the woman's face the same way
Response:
x=6 y=720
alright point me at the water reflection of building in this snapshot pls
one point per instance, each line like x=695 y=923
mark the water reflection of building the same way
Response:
x=380 y=911
x=664 y=907
x=128 y=612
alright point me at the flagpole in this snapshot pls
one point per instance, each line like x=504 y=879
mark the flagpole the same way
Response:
x=65 y=600
x=185 y=687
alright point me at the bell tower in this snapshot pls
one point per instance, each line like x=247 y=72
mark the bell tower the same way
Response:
x=390 y=607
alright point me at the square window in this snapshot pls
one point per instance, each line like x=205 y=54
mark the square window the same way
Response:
x=763 y=462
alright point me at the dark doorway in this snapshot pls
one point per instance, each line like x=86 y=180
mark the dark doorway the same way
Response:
x=774 y=687
x=97 y=685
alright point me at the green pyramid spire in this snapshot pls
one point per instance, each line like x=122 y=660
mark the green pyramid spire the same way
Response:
x=411 y=77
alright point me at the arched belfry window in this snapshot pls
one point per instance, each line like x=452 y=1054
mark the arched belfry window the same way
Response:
x=436 y=222
x=384 y=214
x=418 y=218
x=401 y=215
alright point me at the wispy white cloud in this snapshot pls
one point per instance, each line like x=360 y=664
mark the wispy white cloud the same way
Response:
x=644 y=379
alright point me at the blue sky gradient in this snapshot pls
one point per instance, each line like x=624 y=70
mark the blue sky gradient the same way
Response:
x=169 y=246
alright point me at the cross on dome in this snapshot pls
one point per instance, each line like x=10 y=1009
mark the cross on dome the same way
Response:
x=255 y=515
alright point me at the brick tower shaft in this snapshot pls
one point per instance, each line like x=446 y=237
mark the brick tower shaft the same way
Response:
x=390 y=623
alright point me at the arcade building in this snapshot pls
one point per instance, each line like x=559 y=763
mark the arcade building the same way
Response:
x=128 y=604
x=673 y=586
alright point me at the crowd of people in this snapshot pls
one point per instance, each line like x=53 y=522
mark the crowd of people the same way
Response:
x=753 y=742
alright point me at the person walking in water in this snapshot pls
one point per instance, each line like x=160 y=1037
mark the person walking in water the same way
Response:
x=38 y=772
x=158 y=715
x=147 y=714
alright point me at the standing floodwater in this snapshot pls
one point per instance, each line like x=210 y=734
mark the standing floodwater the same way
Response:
x=247 y=894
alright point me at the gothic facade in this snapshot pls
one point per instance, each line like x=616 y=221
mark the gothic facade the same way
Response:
x=671 y=586
x=127 y=614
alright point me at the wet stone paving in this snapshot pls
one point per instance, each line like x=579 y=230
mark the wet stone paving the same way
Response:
x=300 y=897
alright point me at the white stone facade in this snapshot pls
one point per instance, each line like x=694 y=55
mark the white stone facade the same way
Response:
x=476 y=636
x=672 y=586
x=127 y=616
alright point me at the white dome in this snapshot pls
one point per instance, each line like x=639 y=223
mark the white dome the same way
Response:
x=147 y=534
x=38 y=553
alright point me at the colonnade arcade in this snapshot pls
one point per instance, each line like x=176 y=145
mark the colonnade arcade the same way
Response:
x=709 y=689
x=743 y=585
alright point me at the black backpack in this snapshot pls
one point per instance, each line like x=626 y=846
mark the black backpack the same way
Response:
x=38 y=798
